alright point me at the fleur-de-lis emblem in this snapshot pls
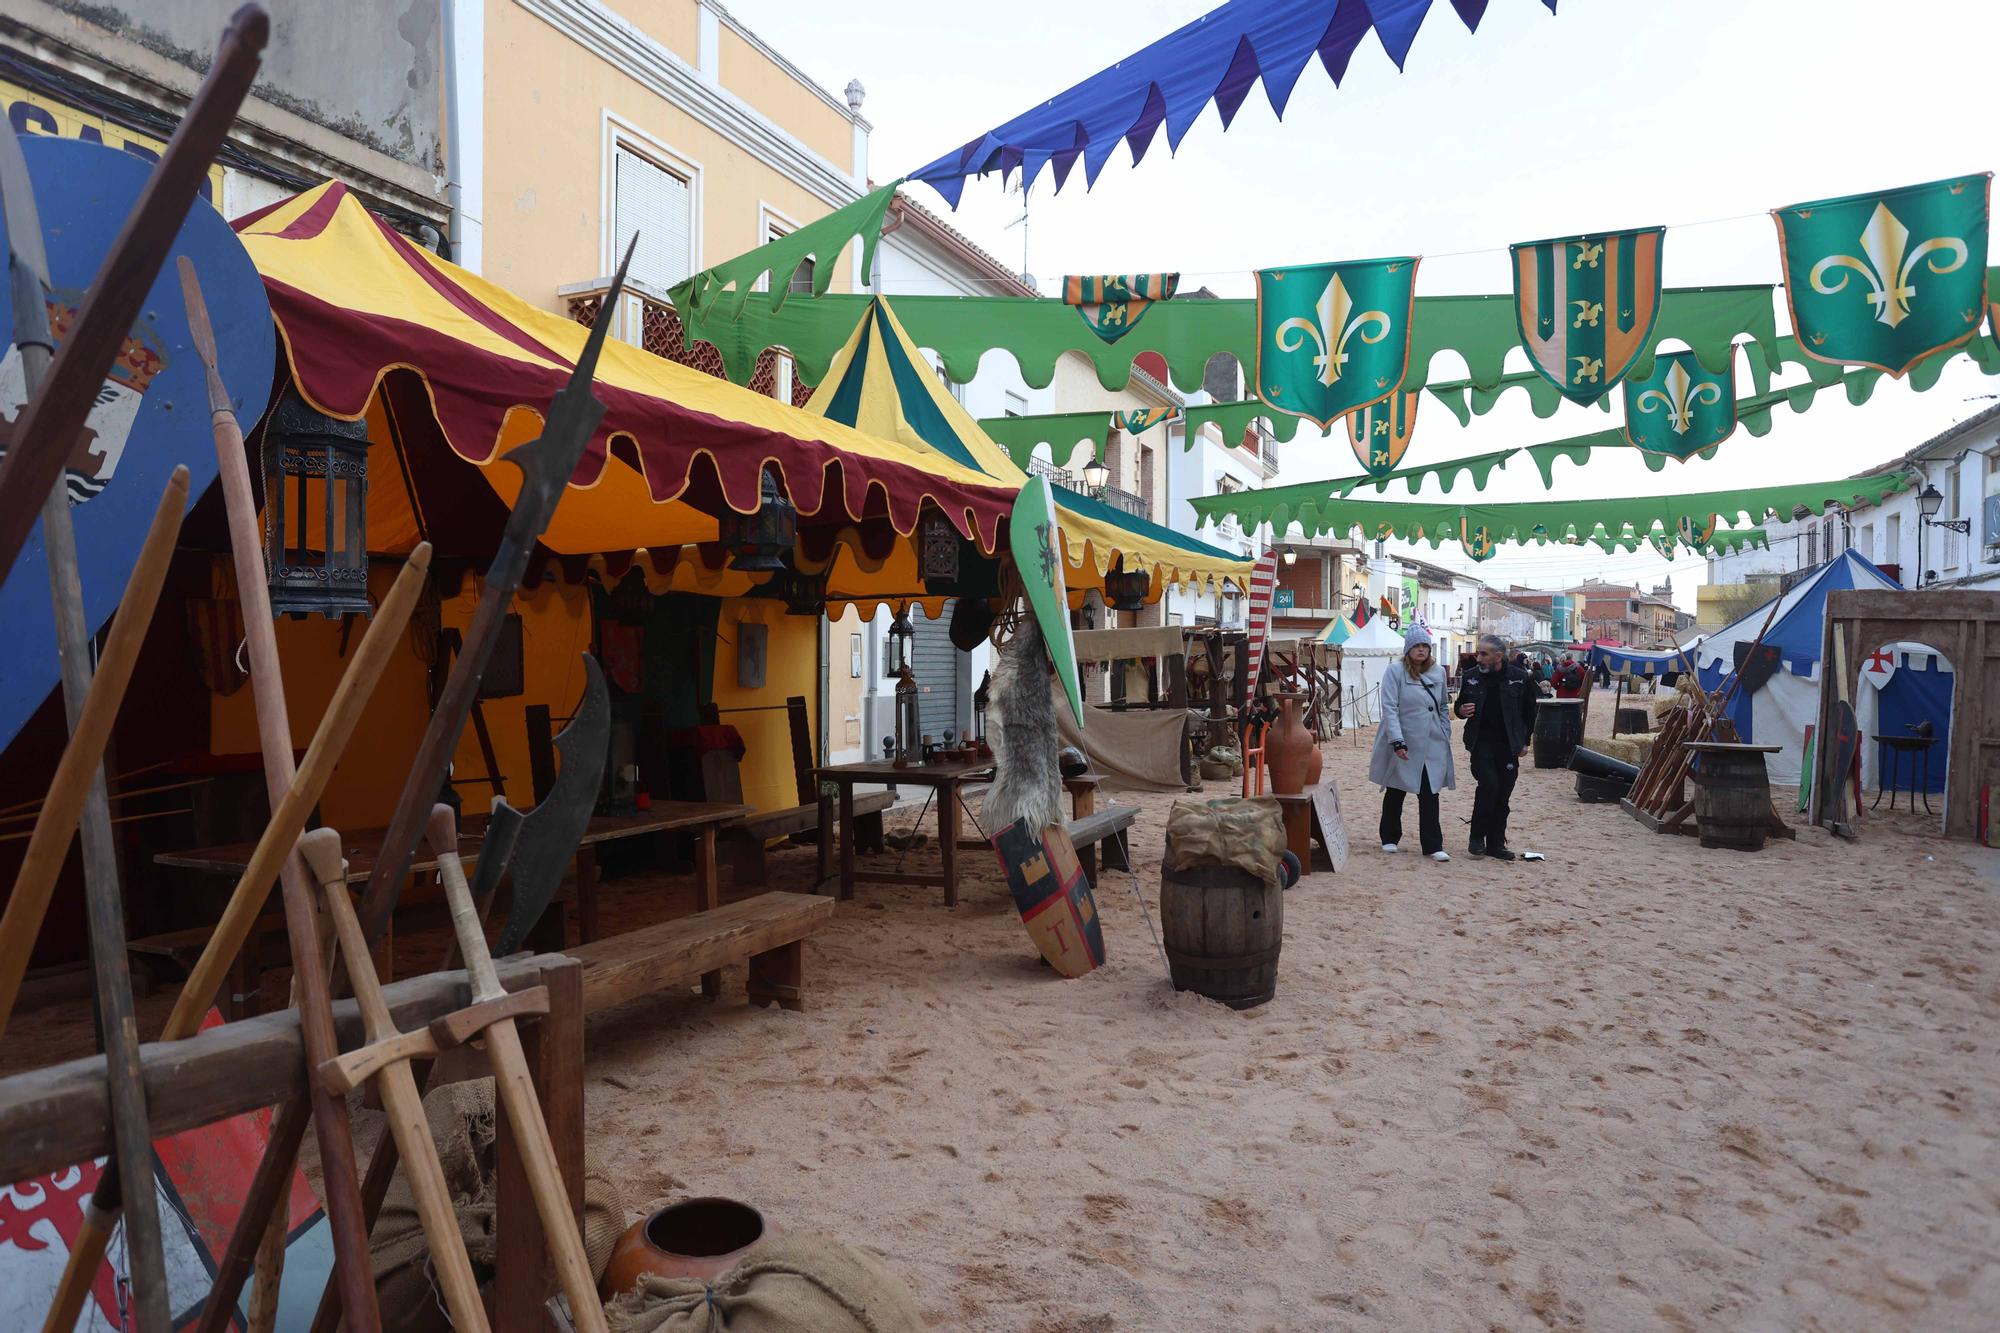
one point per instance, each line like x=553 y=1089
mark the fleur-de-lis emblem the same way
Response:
x=1338 y=324
x=1587 y=253
x=1587 y=312
x=1587 y=368
x=1681 y=397
x=1889 y=264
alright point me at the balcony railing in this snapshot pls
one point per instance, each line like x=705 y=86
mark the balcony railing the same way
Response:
x=1038 y=467
x=1126 y=501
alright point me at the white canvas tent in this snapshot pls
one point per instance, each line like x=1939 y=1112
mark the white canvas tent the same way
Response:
x=1366 y=657
x=1779 y=713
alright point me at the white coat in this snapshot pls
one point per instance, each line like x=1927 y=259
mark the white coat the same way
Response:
x=1421 y=719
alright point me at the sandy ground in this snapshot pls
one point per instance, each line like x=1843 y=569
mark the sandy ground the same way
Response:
x=1640 y=1085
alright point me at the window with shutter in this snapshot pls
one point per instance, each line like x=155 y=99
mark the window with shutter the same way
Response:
x=658 y=204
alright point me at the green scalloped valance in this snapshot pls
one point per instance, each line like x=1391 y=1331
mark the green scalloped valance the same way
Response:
x=723 y=291
x=1185 y=332
x=1618 y=523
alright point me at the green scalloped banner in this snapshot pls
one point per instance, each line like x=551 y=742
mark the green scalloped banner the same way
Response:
x=723 y=291
x=1620 y=523
x=1186 y=333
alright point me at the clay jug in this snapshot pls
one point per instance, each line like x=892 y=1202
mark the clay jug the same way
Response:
x=1289 y=751
x=698 y=1239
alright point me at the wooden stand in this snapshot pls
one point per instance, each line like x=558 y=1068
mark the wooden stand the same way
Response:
x=50 y=1118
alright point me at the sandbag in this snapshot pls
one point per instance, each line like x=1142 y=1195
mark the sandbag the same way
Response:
x=1246 y=832
x=462 y=1125
x=790 y=1284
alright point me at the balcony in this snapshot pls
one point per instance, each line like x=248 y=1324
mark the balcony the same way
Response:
x=1125 y=502
x=1041 y=467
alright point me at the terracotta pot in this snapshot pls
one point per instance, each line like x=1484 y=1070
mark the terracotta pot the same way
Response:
x=1289 y=750
x=697 y=1239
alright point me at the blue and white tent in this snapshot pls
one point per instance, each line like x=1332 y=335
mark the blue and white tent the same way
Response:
x=1788 y=703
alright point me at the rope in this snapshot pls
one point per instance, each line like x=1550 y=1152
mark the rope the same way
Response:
x=1133 y=878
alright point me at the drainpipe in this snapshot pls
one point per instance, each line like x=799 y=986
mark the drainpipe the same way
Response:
x=465 y=127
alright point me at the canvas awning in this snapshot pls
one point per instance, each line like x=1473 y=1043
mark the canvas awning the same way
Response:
x=358 y=305
x=880 y=384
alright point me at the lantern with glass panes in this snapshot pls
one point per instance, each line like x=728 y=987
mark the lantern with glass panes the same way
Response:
x=908 y=719
x=762 y=540
x=315 y=511
x=981 y=698
x=1126 y=589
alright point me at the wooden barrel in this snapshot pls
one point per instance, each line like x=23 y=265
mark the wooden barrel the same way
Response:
x=1732 y=800
x=1634 y=721
x=1558 y=728
x=1223 y=928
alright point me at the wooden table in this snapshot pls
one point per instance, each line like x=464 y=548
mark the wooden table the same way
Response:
x=549 y=934
x=945 y=778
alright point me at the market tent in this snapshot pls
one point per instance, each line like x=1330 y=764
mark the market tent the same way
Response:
x=1337 y=630
x=1365 y=658
x=880 y=384
x=356 y=301
x=1618 y=659
x=1906 y=690
x=1779 y=712
x=450 y=371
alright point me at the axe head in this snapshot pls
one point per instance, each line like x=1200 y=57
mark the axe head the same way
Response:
x=496 y=851
x=549 y=833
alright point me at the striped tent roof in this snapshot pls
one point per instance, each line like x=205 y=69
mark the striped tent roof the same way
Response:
x=880 y=384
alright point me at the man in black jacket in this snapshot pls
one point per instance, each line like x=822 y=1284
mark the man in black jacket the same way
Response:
x=1497 y=700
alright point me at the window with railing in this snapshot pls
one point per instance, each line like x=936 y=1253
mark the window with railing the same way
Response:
x=656 y=327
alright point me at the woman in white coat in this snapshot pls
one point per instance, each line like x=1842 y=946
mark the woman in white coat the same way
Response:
x=1413 y=745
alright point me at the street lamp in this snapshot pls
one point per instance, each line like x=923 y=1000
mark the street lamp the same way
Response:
x=1291 y=556
x=1929 y=501
x=1095 y=474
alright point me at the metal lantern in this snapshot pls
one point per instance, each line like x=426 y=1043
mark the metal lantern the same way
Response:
x=901 y=632
x=803 y=594
x=937 y=547
x=909 y=719
x=760 y=542
x=1095 y=474
x=315 y=477
x=1125 y=590
x=981 y=699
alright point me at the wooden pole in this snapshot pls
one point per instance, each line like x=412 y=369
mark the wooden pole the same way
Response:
x=400 y=1099
x=514 y=1087
x=48 y=846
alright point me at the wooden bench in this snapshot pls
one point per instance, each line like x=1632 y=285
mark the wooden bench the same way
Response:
x=1107 y=826
x=747 y=836
x=767 y=931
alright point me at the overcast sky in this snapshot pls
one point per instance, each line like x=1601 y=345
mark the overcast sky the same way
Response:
x=1698 y=114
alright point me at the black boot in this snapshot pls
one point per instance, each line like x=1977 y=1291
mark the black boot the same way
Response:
x=1500 y=853
x=1477 y=847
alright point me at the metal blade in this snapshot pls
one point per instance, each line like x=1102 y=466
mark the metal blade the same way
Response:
x=496 y=851
x=549 y=834
x=17 y=205
x=548 y=461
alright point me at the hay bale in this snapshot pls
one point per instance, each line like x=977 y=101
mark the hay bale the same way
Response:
x=1626 y=749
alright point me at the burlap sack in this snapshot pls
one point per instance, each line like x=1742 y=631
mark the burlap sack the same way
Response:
x=1245 y=832
x=462 y=1126
x=790 y=1284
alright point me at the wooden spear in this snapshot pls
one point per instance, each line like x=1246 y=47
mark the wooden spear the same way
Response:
x=103 y=902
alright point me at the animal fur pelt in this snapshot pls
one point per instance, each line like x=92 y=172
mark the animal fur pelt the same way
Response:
x=1027 y=784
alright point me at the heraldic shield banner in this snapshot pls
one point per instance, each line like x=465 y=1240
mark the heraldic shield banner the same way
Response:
x=1884 y=280
x=1585 y=306
x=1333 y=338
x=1681 y=408
x=1380 y=432
x=1035 y=541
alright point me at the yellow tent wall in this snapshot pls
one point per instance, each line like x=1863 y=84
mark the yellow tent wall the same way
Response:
x=791 y=667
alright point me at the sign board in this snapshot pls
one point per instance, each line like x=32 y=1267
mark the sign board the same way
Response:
x=152 y=410
x=32 y=113
x=1332 y=827
x=1281 y=600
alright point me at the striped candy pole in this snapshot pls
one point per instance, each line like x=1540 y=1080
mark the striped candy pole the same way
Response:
x=1263 y=583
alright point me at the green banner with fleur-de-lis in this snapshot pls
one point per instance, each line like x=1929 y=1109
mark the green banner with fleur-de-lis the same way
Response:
x=1885 y=280
x=1380 y=432
x=1682 y=408
x=1585 y=306
x=1333 y=338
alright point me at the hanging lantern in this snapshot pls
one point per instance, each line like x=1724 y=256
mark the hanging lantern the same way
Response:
x=937 y=546
x=981 y=698
x=1095 y=474
x=1125 y=590
x=315 y=471
x=761 y=541
x=901 y=632
x=803 y=594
